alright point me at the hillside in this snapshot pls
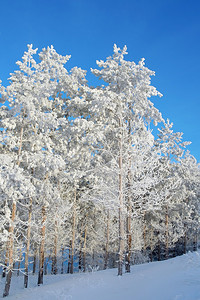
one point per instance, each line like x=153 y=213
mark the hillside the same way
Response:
x=174 y=279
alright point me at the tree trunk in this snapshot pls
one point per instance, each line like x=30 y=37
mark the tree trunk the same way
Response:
x=54 y=269
x=144 y=235
x=28 y=244
x=69 y=257
x=107 y=241
x=6 y=260
x=41 y=254
x=45 y=266
x=73 y=235
x=7 y=284
x=195 y=241
x=185 y=238
x=80 y=248
x=121 y=220
x=129 y=240
x=10 y=251
x=159 y=256
x=62 y=266
x=167 y=233
x=84 y=249
x=80 y=260
x=151 y=243
x=129 y=207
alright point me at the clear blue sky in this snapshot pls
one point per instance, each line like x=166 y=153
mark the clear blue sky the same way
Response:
x=165 y=32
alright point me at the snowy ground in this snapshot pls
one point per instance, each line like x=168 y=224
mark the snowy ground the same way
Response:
x=174 y=279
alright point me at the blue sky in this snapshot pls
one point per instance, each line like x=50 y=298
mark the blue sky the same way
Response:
x=165 y=32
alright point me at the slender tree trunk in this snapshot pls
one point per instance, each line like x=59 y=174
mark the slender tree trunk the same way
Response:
x=185 y=238
x=107 y=241
x=174 y=252
x=28 y=244
x=80 y=260
x=151 y=243
x=129 y=238
x=45 y=266
x=10 y=253
x=159 y=257
x=129 y=207
x=93 y=258
x=41 y=254
x=93 y=251
x=54 y=268
x=144 y=235
x=62 y=266
x=73 y=234
x=195 y=241
x=69 y=257
x=121 y=220
x=80 y=248
x=6 y=259
x=84 y=249
x=166 y=233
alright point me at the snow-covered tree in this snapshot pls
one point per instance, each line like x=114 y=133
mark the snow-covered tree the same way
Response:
x=124 y=109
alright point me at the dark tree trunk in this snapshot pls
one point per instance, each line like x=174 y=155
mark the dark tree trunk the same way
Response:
x=159 y=252
x=129 y=240
x=185 y=240
x=195 y=241
x=62 y=266
x=151 y=244
x=7 y=284
x=34 y=260
x=80 y=260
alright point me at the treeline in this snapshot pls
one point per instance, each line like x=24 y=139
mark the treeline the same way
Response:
x=84 y=180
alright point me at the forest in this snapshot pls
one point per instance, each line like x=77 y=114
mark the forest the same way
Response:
x=91 y=177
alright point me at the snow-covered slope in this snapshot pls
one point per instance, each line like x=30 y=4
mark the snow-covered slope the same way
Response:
x=174 y=279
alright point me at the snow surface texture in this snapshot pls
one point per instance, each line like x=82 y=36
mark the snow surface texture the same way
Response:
x=174 y=279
